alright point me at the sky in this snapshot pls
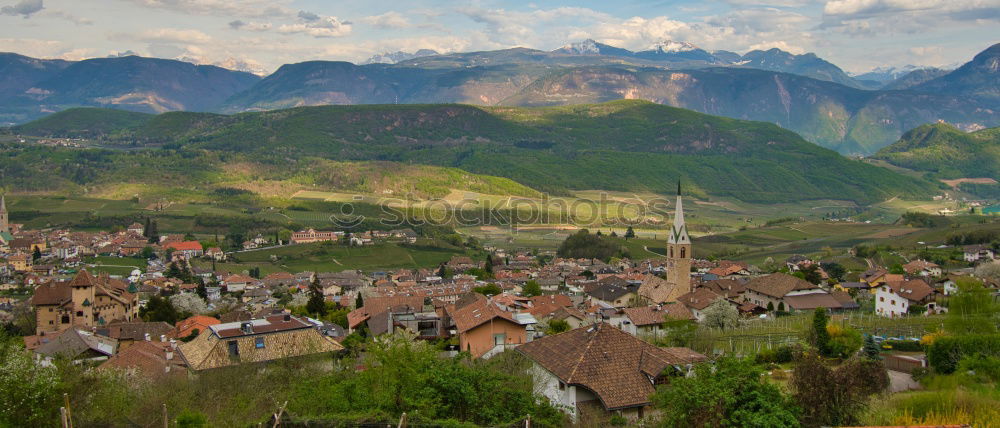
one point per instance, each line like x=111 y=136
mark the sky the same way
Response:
x=261 y=35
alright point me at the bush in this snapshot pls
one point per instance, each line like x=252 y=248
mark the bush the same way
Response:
x=905 y=345
x=982 y=368
x=947 y=351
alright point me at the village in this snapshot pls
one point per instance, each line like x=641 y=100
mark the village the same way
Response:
x=561 y=313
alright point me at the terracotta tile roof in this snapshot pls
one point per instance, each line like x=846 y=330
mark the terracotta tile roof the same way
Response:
x=552 y=299
x=184 y=328
x=658 y=290
x=616 y=366
x=652 y=315
x=149 y=358
x=135 y=331
x=914 y=290
x=53 y=293
x=806 y=302
x=184 y=246
x=377 y=305
x=778 y=284
x=730 y=288
x=478 y=313
x=700 y=298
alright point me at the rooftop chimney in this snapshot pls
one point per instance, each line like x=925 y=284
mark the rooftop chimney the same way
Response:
x=247 y=328
x=173 y=344
x=288 y=317
x=147 y=337
x=163 y=338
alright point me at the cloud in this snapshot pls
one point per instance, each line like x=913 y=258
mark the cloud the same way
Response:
x=165 y=36
x=229 y=8
x=23 y=8
x=388 y=20
x=78 y=20
x=249 y=26
x=873 y=17
x=317 y=26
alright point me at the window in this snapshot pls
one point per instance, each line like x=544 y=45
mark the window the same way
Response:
x=683 y=252
x=892 y=302
x=499 y=339
x=79 y=313
x=234 y=349
x=562 y=386
x=881 y=299
x=258 y=343
x=65 y=319
x=51 y=322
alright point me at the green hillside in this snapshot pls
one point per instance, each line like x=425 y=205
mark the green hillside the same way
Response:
x=84 y=123
x=947 y=152
x=623 y=145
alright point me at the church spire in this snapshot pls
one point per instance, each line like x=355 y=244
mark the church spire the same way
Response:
x=679 y=233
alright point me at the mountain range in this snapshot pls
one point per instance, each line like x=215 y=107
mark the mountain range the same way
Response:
x=803 y=93
x=947 y=152
x=629 y=145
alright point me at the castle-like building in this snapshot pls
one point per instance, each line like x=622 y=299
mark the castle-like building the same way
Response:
x=678 y=280
x=84 y=301
x=4 y=220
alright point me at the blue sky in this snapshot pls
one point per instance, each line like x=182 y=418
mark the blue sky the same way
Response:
x=263 y=34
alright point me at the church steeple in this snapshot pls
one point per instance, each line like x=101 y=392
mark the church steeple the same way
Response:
x=4 y=227
x=679 y=233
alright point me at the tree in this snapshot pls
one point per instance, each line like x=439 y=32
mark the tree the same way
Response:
x=531 y=289
x=678 y=332
x=316 y=304
x=147 y=252
x=359 y=302
x=159 y=309
x=972 y=309
x=732 y=392
x=629 y=233
x=584 y=245
x=488 y=290
x=820 y=338
x=187 y=302
x=36 y=254
x=202 y=291
x=844 y=341
x=152 y=232
x=871 y=350
x=29 y=390
x=557 y=326
x=721 y=314
x=897 y=269
x=836 y=397
x=989 y=271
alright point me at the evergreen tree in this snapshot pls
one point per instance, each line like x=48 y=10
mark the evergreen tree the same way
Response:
x=153 y=233
x=629 y=233
x=871 y=350
x=173 y=271
x=359 y=302
x=821 y=338
x=146 y=229
x=36 y=254
x=202 y=290
x=316 y=304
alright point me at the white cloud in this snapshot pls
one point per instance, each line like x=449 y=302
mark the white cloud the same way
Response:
x=23 y=8
x=241 y=8
x=866 y=18
x=388 y=20
x=165 y=35
x=250 y=26
x=317 y=26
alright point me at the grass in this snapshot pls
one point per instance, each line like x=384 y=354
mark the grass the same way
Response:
x=952 y=399
x=319 y=257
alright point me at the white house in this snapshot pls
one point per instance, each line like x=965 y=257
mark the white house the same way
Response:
x=894 y=299
x=975 y=253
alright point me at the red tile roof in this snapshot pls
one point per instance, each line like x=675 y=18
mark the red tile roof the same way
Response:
x=184 y=246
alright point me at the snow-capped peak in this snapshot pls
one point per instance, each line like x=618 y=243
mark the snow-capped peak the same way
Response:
x=588 y=46
x=667 y=46
x=398 y=56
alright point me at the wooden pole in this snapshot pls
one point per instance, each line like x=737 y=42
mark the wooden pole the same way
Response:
x=62 y=417
x=527 y=422
x=277 y=416
x=402 y=421
x=69 y=412
x=166 y=422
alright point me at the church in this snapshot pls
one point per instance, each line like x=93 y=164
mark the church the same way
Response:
x=678 y=281
x=5 y=235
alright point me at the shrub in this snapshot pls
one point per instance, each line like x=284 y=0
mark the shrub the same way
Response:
x=947 y=351
x=905 y=345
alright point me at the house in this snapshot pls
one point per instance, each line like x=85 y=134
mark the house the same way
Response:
x=895 y=298
x=235 y=283
x=484 y=329
x=461 y=263
x=20 y=262
x=149 y=359
x=312 y=235
x=129 y=333
x=77 y=345
x=975 y=253
x=188 y=249
x=698 y=300
x=136 y=229
x=769 y=291
x=255 y=341
x=647 y=321
x=603 y=370
x=613 y=291
x=85 y=301
x=922 y=268
x=193 y=325
x=657 y=290
x=374 y=306
x=406 y=235
x=279 y=279
x=216 y=254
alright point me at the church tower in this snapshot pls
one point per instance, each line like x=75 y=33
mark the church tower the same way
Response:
x=4 y=226
x=679 y=250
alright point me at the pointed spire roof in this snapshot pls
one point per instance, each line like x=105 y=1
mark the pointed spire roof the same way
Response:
x=678 y=232
x=83 y=278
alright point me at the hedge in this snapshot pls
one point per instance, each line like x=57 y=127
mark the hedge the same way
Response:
x=904 y=345
x=946 y=352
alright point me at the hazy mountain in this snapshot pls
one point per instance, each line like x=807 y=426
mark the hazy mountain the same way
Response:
x=671 y=51
x=808 y=65
x=948 y=152
x=18 y=74
x=130 y=82
x=846 y=119
x=979 y=78
x=394 y=57
x=623 y=145
x=915 y=78
x=727 y=57
x=591 y=47
x=885 y=75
